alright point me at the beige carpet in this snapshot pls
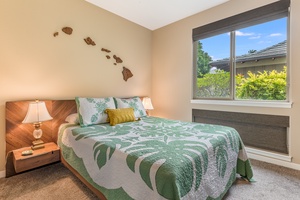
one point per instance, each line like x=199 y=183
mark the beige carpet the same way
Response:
x=57 y=182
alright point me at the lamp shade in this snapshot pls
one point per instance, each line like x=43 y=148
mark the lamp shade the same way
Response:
x=37 y=112
x=147 y=103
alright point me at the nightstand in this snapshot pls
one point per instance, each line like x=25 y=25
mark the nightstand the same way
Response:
x=40 y=157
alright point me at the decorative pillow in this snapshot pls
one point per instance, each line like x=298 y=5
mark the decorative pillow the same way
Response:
x=72 y=118
x=91 y=110
x=120 y=115
x=135 y=103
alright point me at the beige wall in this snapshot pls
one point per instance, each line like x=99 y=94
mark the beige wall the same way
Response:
x=172 y=68
x=34 y=64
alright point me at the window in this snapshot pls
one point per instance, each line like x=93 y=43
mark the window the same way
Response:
x=243 y=57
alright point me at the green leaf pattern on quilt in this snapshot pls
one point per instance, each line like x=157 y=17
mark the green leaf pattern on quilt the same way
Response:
x=106 y=147
x=96 y=131
x=87 y=132
x=179 y=151
x=221 y=154
x=160 y=144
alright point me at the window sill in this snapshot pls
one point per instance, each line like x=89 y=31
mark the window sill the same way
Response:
x=269 y=104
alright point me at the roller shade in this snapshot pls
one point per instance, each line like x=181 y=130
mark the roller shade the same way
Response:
x=259 y=15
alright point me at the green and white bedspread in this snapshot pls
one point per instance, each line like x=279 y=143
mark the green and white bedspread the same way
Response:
x=156 y=158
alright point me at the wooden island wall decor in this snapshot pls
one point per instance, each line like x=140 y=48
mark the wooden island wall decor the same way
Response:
x=89 y=41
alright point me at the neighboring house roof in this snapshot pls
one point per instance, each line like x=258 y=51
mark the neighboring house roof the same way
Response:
x=275 y=51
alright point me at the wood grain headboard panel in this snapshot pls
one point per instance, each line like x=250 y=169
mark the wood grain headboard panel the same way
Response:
x=20 y=135
x=60 y=110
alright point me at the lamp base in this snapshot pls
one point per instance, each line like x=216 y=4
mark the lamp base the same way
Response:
x=37 y=144
x=40 y=146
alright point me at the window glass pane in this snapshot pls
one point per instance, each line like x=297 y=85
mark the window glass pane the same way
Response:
x=213 y=78
x=261 y=61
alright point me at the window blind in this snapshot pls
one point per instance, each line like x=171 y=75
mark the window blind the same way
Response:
x=259 y=15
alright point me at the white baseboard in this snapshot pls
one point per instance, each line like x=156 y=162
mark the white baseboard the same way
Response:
x=274 y=158
x=2 y=174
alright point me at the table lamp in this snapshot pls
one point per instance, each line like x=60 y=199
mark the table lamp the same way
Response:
x=147 y=104
x=36 y=114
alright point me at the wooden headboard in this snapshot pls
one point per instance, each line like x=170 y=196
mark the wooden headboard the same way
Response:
x=20 y=135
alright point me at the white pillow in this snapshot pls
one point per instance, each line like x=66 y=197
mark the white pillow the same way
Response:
x=91 y=110
x=72 y=118
x=135 y=103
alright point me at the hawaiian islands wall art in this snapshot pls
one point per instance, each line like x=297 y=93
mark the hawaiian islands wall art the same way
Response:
x=89 y=41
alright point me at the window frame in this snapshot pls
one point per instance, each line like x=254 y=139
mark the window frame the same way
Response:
x=256 y=16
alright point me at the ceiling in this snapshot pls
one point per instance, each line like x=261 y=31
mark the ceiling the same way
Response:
x=154 y=14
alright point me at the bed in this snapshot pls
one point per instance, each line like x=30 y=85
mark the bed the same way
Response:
x=149 y=157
